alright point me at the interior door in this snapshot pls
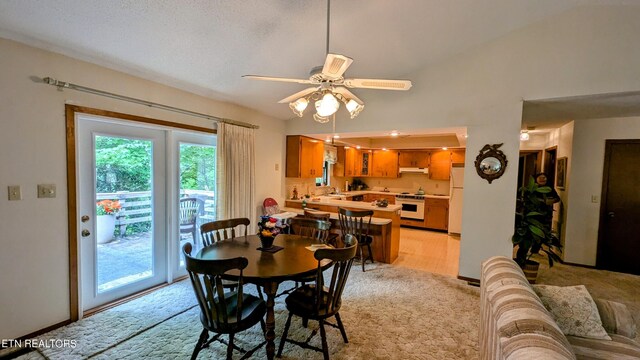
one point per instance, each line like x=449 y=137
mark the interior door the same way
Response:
x=121 y=201
x=618 y=240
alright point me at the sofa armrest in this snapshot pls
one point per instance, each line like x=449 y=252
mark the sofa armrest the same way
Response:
x=616 y=318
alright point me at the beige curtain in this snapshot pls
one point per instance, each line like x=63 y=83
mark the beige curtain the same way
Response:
x=236 y=172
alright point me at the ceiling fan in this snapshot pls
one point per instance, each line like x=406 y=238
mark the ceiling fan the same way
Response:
x=330 y=86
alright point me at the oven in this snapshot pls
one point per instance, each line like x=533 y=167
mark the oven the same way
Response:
x=412 y=208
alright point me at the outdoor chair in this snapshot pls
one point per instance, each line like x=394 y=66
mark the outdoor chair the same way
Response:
x=189 y=209
x=321 y=301
x=358 y=223
x=222 y=312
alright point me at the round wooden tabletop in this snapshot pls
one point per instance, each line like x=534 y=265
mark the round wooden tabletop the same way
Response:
x=289 y=263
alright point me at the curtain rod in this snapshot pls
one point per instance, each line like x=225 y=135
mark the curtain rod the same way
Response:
x=65 y=85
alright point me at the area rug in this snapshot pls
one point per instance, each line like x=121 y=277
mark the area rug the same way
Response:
x=389 y=313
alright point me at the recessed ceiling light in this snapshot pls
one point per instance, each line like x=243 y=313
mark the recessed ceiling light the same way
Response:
x=384 y=149
x=524 y=136
x=394 y=133
x=347 y=147
x=445 y=148
x=358 y=147
x=327 y=140
x=466 y=136
x=336 y=136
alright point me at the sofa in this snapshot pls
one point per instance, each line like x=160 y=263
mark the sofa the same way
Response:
x=515 y=325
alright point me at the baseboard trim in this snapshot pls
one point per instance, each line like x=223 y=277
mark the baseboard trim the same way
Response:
x=580 y=265
x=470 y=281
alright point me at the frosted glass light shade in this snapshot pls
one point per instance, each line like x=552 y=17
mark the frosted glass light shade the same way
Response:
x=328 y=105
x=354 y=108
x=299 y=106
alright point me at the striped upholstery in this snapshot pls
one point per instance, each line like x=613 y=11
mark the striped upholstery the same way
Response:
x=515 y=325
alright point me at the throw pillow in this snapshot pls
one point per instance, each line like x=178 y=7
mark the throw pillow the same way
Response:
x=616 y=318
x=573 y=309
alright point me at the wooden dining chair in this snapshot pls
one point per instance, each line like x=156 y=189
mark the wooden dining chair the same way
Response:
x=311 y=228
x=321 y=301
x=190 y=208
x=358 y=224
x=222 y=312
x=322 y=215
x=219 y=230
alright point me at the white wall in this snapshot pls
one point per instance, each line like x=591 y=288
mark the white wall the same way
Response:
x=585 y=178
x=588 y=50
x=34 y=287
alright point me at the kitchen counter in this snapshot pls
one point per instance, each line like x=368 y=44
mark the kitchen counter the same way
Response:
x=385 y=223
x=350 y=204
x=362 y=192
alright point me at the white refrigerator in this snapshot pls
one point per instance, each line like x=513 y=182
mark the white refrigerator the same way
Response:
x=456 y=184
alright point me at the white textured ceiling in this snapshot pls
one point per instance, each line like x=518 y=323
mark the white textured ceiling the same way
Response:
x=204 y=46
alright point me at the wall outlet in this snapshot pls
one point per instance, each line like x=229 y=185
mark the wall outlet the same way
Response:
x=594 y=198
x=15 y=192
x=46 y=190
x=277 y=166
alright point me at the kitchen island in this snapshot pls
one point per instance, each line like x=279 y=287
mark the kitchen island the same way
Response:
x=385 y=225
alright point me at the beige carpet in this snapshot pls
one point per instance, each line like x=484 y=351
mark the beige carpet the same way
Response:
x=623 y=288
x=389 y=313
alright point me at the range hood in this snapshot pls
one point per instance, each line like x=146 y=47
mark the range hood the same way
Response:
x=414 y=170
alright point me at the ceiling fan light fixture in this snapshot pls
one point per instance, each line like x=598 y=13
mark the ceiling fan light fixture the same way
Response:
x=328 y=105
x=299 y=106
x=321 y=119
x=354 y=108
x=524 y=135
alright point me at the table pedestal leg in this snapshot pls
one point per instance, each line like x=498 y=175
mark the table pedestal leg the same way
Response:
x=271 y=289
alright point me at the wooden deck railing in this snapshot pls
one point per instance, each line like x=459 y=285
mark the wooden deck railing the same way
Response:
x=136 y=206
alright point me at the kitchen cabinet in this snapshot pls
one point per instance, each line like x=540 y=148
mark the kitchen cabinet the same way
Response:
x=363 y=163
x=413 y=158
x=457 y=156
x=385 y=164
x=436 y=213
x=305 y=157
x=439 y=165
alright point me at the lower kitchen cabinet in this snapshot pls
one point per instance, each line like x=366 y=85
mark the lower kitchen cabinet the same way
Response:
x=436 y=214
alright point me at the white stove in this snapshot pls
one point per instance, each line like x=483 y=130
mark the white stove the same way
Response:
x=412 y=206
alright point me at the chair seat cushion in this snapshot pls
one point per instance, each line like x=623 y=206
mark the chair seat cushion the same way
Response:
x=253 y=309
x=301 y=302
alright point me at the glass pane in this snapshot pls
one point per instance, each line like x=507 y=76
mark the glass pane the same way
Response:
x=124 y=228
x=197 y=204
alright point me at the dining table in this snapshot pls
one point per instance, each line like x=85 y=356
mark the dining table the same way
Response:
x=268 y=269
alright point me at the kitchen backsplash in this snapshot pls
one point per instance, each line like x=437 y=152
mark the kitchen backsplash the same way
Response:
x=406 y=182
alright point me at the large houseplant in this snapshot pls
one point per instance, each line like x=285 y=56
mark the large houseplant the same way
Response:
x=533 y=232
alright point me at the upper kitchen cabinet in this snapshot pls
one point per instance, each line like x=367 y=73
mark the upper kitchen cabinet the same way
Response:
x=305 y=157
x=457 y=156
x=385 y=163
x=346 y=164
x=363 y=163
x=440 y=165
x=413 y=158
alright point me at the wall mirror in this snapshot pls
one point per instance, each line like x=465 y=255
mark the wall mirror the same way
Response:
x=491 y=162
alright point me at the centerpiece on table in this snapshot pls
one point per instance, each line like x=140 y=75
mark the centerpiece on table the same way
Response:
x=106 y=211
x=268 y=229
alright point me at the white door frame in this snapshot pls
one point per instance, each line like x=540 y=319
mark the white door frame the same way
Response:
x=87 y=127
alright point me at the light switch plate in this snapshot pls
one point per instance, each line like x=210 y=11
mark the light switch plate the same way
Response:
x=46 y=190
x=15 y=192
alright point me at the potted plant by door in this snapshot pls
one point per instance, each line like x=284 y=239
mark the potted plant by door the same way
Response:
x=106 y=211
x=533 y=232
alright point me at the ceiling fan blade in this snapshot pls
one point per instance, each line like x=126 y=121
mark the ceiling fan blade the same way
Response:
x=298 y=95
x=335 y=65
x=381 y=84
x=272 y=78
x=347 y=94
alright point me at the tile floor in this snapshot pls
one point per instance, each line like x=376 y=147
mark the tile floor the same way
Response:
x=432 y=251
